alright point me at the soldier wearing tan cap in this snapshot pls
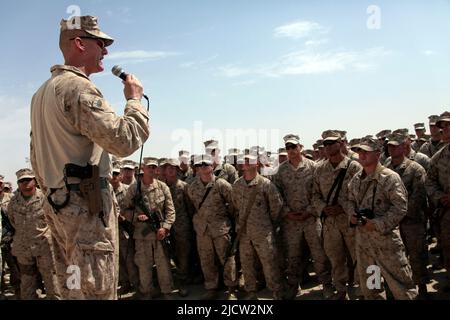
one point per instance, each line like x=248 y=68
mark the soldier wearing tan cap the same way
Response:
x=127 y=171
x=412 y=226
x=300 y=221
x=438 y=190
x=4 y=201
x=221 y=170
x=211 y=197
x=418 y=157
x=380 y=197
x=419 y=128
x=182 y=229
x=74 y=125
x=330 y=199
x=259 y=204
x=282 y=155
x=382 y=137
x=435 y=142
x=156 y=198
x=185 y=169
x=32 y=241
x=345 y=149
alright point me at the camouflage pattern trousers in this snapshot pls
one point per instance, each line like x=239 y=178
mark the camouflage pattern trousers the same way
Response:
x=293 y=234
x=128 y=271
x=41 y=260
x=150 y=251
x=210 y=250
x=414 y=239
x=86 y=252
x=260 y=246
x=339 y=245
x=386 y=253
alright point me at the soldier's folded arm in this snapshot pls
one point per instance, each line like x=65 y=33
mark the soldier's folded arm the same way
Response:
x=117 y=135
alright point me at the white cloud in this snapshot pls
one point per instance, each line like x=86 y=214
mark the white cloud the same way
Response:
x=140 y=55
x=196 y=64
x=428 y=52
x=309 y=61
x=298 y=29
x=231 y=71
x=315 y=43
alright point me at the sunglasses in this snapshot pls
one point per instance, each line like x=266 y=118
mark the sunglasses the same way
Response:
x=115 y=174
x=100 y=43
x=203 y=164
x=329 y=142
x=290 y=146
x=25 y=180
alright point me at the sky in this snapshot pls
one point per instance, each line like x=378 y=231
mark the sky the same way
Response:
x=243 y=72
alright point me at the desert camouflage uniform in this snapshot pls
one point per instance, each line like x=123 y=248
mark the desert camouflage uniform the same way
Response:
x=226 y=171
x=412 y=226
x=83 y=128
x=438 y=185
x=258 y=239
x=32 y=245
x=128 y=272
x=338 y=237
x=420 y=158
x=182 y=229
x=150 y=251
x=4 y=201
x=212 y=224
x=296 y=187
x=183 y=176
x=430 y=148
x=382 y=247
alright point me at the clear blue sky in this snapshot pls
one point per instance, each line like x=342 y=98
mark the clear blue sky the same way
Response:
x=265 y=68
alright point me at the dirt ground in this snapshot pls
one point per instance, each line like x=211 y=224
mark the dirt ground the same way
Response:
x=311 y=290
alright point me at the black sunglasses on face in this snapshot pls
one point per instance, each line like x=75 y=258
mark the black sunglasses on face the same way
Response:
x=25 y=180
x=329 y=142
x=100 y=43
x=290 y=146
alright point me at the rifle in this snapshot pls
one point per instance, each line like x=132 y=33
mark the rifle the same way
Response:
x=153 y=222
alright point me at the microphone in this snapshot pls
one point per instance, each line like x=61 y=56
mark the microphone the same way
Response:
x=118 y=72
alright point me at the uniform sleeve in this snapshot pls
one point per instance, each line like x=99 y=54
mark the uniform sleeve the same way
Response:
x=434 y=190
x=275 y=202
x=309 y=192
x=278 y=181
x=232 y=174
x=317 y=199
x=226 y=191
x=11 y=213
x=190 y=209
x=397 y=196
x=417 y=197
x=92 y=115
x=35 y=167
x=169 y=208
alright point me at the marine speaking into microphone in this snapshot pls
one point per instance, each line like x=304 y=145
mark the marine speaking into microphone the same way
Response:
x=74 y=125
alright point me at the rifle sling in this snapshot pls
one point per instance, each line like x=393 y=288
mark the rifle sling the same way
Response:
x=208 y=190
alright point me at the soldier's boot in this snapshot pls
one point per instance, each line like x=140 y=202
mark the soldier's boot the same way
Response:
x=328 y=291
x=183 y=290
x=251 y=295
x=232 y=291
x=291 y=292
x=124 y=289
x=277 y=295
x=211 y=294
x=423 y=292
x=340 y=295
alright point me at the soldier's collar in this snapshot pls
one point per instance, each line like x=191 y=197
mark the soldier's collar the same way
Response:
x=63 y=67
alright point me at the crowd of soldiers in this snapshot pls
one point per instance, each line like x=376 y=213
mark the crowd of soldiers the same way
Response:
x=251 y=219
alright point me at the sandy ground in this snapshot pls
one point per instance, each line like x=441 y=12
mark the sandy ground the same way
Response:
x=309 y=291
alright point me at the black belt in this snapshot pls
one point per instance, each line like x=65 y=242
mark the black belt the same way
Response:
x=76 y=187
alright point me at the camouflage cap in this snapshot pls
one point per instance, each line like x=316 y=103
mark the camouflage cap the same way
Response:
x=412 y=137
x=309 y=153
x=211 y=144
x=116 y=167
x=291 y=138
x=282 y=152
x=257 y=150
x=383 y=134
x=369 y=144
x=354 y=142
x=396 y=139
x=319 y=143
x=171 y=162
x=150 y=161
x=7 y=185
x=343 y=134
x=25 y=173
x=233 y=152
x=419 y=126
x=250 y=154
x=128 y=164
x=162 y=161
x=204 y=158
x=87 y=24
x=433 y=119
x=331 y=135
x=403 y=131
x=444 y=117
x=183 y=154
